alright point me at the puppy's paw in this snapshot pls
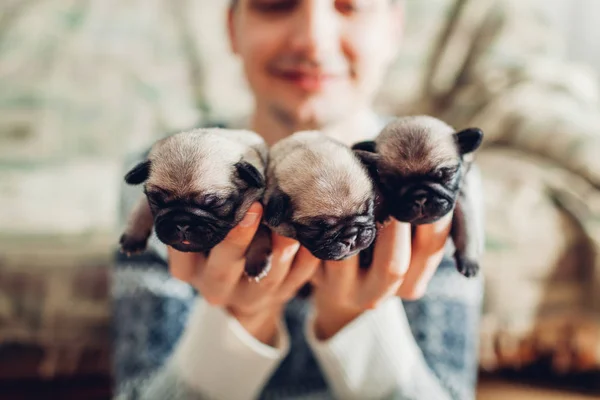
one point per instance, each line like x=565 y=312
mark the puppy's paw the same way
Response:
x=257 y=269
x=132 y=244
x=258 y=256
x=466 y=267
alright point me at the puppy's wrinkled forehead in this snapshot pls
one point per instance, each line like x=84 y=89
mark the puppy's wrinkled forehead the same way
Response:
x=191 y=162
x=337 y=187
x=418 y=145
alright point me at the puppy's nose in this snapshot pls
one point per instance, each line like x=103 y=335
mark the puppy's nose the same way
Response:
x=421 y=201
x=349 y=241
x=182 y=228
x=349 y=236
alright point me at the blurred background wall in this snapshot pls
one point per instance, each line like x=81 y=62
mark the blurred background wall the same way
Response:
x=578 y=23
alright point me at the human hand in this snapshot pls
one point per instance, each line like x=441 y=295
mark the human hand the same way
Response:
x=220 y=280
x=427 y=250
x=343 y=290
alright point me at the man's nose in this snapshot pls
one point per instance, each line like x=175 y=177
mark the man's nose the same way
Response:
x=316 y=29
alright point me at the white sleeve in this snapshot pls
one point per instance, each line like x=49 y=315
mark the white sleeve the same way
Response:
x=375 y=356
x=216 y=358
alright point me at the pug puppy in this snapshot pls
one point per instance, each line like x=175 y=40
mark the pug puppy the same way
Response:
x=319 y=193
x=198 y=185
x=421 y=166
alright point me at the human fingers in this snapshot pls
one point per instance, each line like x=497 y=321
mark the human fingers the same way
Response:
x=251 y=296
x=235 y=244
x=391 y=259
x=227 y=260
x=303 y=268
x=184 y=266
x=342 y=277
x=283 y=252
x=427 y=252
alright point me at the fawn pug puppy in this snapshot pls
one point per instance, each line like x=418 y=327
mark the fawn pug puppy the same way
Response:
x=420 y=166
x=198 y=185
x=319 y=193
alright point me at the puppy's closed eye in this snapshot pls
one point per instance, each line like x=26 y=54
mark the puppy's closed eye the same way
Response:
x=316 y=227
x=444 y=173
x=310 y=230
x=155 y=202
x=157 y=197
x=214 y=201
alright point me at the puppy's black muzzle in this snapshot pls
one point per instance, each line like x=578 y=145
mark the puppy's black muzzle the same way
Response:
x=343 y=241
x=421 y=204
x=190 y=230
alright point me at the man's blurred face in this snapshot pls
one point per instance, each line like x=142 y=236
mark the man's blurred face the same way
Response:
x=313 y=62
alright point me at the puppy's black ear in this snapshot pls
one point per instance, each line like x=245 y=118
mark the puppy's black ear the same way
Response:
x=468 y=140
x=278 y=209
x=139 y=173
x=367 y=145
x=370 y=161
x=250 y=174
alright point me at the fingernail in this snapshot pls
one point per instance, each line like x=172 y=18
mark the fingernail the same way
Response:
x=249 y=220
x=289 y=252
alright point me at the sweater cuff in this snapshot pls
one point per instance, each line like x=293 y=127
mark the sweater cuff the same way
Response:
x=371 y=357
x=218 y=358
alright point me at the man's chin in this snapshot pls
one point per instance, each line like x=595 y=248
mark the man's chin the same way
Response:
x=310 y=112
x=308 y=85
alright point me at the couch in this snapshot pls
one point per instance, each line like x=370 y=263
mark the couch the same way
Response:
x=84 y=84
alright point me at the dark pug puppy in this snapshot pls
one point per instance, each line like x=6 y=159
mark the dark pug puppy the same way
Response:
x=420 y=166
x=319 y=193
x=198 y=185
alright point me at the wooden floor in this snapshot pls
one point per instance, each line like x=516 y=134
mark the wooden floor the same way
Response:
x=504 y=390
x=99 y=389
